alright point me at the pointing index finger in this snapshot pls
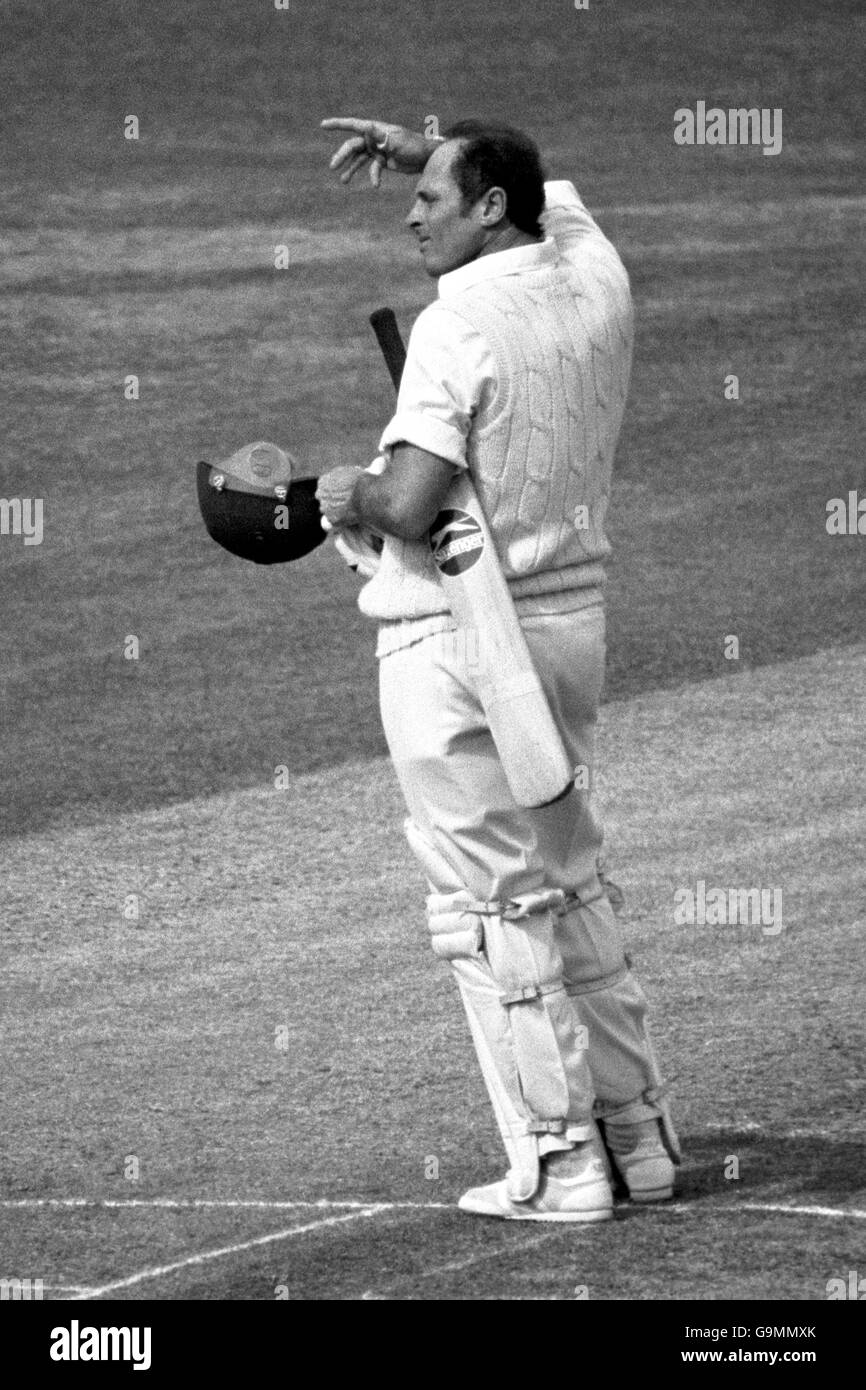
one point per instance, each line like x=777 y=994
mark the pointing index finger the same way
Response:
x=346 y=123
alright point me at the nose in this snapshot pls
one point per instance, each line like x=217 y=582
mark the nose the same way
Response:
x=413 y=217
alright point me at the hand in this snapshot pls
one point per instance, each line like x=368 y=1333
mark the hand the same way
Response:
x=380 y=145
x=334 y=496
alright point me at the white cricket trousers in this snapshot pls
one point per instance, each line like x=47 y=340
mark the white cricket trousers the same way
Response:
x=476 y=840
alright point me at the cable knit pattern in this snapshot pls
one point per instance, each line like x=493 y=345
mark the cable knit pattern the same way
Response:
x=543 y=436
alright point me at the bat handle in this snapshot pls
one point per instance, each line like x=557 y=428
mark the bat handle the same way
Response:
x=384 y=325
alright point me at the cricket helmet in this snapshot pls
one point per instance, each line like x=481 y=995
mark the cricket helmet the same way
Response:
x=254 y=506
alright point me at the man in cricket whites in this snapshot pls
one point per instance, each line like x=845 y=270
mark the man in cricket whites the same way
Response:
x=518 y=372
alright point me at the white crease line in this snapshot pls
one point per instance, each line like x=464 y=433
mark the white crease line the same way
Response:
x=457 y=1265
x=157 y=1271
x=749 y=1127
x=699 y=1208
x=325 y=1204
x=356 y=1209
x=204 y=1203
x=804 y=1211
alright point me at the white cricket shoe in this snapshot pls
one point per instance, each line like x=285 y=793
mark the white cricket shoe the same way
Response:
x=584 y=1196
x=641 y=1159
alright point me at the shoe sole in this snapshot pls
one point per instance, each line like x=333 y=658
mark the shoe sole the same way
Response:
x=602 y=1214
x=654 y=1194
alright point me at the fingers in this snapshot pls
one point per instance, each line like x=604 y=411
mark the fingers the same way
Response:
x=346 y=150
x=357 y=163
x=357 y=151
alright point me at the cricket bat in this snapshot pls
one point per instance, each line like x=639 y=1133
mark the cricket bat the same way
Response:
x=529 y=744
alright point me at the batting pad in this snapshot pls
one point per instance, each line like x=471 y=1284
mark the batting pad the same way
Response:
x=529 y=1043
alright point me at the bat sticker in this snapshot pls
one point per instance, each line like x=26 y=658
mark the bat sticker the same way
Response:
x=456 y=540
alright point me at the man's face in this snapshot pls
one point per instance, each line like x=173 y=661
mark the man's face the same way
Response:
x=447 y=236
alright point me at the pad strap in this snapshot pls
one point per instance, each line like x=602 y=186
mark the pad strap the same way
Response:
x=615 y=977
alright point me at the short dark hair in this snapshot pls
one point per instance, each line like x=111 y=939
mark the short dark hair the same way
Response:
x=499 y=156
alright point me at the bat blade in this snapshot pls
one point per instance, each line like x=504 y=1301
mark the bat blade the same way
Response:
x=529 y=744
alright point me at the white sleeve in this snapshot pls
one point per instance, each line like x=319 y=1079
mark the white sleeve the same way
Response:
x=575 y=231
x=447 y=368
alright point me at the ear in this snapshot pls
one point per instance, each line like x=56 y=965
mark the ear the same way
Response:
x=494 y=206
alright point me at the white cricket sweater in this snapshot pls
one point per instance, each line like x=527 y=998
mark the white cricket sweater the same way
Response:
x=518 y=371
